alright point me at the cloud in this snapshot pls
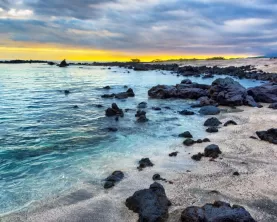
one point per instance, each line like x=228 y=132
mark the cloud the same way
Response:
x=145 y=26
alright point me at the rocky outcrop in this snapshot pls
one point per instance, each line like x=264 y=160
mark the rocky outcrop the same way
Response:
x=227 y=92
x=218 y=212
x=151 y=204
x=266 y=93
x=183 y=91
x=114 y=111
x=114 y=178
x=63 y=64
x=122 y=95
x=269 y=135
x=185 y=134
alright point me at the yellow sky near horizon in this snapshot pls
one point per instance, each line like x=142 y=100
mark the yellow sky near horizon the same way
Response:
x=74 y=54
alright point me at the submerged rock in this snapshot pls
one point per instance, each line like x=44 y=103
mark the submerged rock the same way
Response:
x=209 y=110
x=217 y=212
x=186 y=81
x=122 y=95
x=142 y=105
x=145 y=162
x=114 y=178
x=106 y=87
x=156 y=108
x=186 y=134
x=186 y=112
x=151 y=204
x=266 y=93
x=212 y=151
x=230 y=122
x=212 y=122
x=269 y=135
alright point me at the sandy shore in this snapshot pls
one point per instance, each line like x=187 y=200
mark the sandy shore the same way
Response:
x=264 y=64
x=255 y=188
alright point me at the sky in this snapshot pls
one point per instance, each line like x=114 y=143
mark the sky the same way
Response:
x=118 y=30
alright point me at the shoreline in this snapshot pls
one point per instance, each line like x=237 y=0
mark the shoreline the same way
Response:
x=254 y=188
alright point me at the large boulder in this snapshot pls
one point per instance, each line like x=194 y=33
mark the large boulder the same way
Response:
x=151 y=204
x=266 y=93
x=227 y=92
x=209 y=110
x=183 y=91
x=217 y=212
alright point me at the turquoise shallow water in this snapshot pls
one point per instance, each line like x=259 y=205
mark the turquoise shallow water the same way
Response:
x=48 y=147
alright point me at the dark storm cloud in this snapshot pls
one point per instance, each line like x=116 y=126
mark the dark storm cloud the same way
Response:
x=177 y=26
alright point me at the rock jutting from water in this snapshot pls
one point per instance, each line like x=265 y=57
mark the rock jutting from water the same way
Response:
x=213 y=121
x=151 y=204
x=63 y=64
x=114 y=111
x=122 y=95
x=114 y=178
x=269 y=135
x=144 y=162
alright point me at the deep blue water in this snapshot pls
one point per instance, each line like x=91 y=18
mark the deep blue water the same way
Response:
x=48 y=147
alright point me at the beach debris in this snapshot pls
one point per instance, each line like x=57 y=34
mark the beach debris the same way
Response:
x=230 y=122
x=186 y=112
x=114 y=111
x=212 y=129
x=213 y=121
x=173 y=154
x=218 y=211
x=144 y=162
x=186 y=134
x=209 y=110
x=269 y=135
x=114 y=178
x=151 y=204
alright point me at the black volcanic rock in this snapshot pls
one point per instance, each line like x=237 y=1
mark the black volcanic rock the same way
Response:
x=114 y=178
x=188 y=142
x=197 y=157
x=269 y=135
x=212 y=151
x=217 y=212
x=266 y=93
x=230 y=122
x=186 y=112
x=63 y=64
x=145 y=162
x=212 y=129
x=173 y=154
x=209 y=110
x=114 y=111
x=185 y=134
x=227 y=92
x=213 y=121
x=273 y=106
x=151 y=204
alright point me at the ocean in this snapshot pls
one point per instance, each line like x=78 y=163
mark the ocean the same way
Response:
x=49 y=148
